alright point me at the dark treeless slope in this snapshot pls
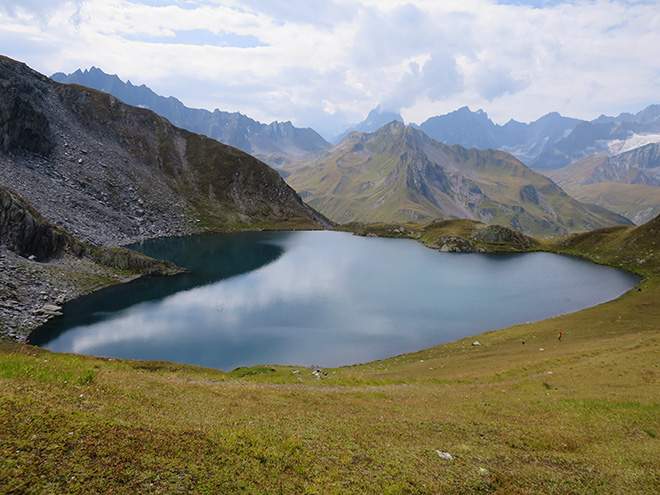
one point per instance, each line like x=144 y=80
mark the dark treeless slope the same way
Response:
x=110 y=173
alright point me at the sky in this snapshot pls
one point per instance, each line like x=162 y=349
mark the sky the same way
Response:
x=326 y=63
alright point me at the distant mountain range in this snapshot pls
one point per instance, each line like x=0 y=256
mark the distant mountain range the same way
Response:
x=475 y=130
x=400 y=174
x=549 y=143
x=553 y=141
x=605 y=135
x=613 y=162
x=276 y=143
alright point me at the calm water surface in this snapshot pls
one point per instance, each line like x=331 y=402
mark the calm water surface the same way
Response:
x=324 y=298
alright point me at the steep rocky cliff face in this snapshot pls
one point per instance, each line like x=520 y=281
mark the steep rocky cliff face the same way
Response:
x=22 y=126
x=26 y=233
x=42 y=266
x=109 y=173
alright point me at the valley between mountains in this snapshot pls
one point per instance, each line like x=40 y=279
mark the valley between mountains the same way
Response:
x=515 y=410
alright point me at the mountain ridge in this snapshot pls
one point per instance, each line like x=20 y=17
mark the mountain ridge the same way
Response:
x=475 y=130
x=400 y=174
x=550 y=142
x=627 y=183
x=273 y=143
x=605 y=135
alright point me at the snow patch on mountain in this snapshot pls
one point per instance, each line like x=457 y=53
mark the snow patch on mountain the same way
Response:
x=618 y=146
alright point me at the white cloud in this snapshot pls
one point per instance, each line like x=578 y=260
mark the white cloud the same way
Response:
x=323 y=63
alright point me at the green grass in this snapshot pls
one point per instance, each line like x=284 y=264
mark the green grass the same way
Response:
x=629 y=200
x=253 y=370
x=581 y=416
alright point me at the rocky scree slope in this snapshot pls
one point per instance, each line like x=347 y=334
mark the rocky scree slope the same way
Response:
x=81 y=171
x=399 y=174
x=42 y=266
x=111 y=174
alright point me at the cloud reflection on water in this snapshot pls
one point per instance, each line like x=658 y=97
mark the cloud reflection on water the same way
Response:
x=335 y=299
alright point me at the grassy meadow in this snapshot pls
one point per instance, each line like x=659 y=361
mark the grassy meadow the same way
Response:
x=577 y=415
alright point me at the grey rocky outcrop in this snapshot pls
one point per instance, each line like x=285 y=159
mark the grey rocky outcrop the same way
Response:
x=495 y=234
x=41 y=267
x=25 y=232
x=23 y=127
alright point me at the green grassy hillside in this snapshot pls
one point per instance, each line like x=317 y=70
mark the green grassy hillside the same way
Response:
x=398 y=174
x=637 y=202
x=580 y=415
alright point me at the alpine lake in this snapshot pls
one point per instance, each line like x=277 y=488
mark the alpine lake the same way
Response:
x=318 y=298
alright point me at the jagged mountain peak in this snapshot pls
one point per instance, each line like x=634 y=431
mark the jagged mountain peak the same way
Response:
x=647 y=115
x=375 y=120
x=379 y=115
x=462 y=114
x=392 y=127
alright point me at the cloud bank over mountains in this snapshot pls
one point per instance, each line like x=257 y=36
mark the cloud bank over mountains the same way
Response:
x=326 y=63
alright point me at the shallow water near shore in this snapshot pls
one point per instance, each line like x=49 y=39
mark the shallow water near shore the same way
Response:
x=319 y=298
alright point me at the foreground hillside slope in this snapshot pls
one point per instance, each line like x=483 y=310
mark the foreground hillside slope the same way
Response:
x=398 y=174
x=520 y=413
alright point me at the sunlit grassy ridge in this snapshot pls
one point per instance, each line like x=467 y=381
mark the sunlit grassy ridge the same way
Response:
x=636 y=201
x=580 y=415
x=398 y=174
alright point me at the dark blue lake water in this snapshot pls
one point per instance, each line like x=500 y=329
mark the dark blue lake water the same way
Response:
x=324 y=298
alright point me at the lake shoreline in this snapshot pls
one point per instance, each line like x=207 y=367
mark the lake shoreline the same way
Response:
x=447 y=333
